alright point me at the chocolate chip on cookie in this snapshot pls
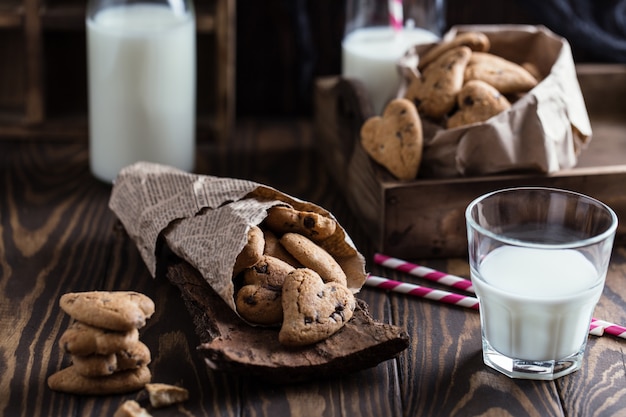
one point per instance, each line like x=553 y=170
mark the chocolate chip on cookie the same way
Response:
x=313 y=310
x=268 y=272
x=281 y=219
x=395 y=139
x=478 y=101
x=94 y=365
x=434 y=91
x=260 y=305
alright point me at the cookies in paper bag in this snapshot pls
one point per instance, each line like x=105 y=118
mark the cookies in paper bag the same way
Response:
x=544 y=128
x=204 y=223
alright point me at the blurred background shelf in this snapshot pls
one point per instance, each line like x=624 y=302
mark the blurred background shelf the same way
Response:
x=256 y=58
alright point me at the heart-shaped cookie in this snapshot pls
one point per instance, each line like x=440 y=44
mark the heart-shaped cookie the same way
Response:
x=395 y=140
x=313 y=310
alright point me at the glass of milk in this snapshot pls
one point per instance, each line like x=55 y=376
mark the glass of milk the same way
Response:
x=379 y=32
x=142 y=84
x=538 y=260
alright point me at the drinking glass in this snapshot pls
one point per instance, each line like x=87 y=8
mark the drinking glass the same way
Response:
x=538 y=260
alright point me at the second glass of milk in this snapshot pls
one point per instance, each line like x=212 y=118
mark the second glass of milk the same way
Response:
x=538 y=260
x=142 y=84
x=372 y=45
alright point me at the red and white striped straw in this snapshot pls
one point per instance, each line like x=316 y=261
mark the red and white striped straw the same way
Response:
x=396 y=14
x=596 y=328
x=610 y=328
x=424 y=272
x=423 y=292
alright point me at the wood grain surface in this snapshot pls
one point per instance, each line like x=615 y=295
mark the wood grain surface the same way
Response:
x=58 y=235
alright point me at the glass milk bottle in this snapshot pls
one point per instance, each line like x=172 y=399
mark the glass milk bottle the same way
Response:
x=378 y=32
x=142 y=84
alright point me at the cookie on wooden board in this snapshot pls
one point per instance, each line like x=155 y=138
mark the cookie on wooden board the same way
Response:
x=313 y=309
x=68 y=380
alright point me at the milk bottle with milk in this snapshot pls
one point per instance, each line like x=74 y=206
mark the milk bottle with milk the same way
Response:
x=142 y=84
x=378 y=33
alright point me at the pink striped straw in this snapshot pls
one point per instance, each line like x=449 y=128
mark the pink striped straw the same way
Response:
x=610 y=328
x=424 y=272
x=423 y=292
x=596 y=328
x=396 y=17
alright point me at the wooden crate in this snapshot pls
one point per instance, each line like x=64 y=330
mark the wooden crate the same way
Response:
x=425 y=218
x=43 y=75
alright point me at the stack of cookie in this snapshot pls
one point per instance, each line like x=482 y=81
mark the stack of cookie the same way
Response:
x=103 y=343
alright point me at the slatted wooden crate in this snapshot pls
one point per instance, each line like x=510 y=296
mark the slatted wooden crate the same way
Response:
x=425 y=217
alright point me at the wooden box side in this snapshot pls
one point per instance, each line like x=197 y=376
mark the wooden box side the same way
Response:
x=426 y=219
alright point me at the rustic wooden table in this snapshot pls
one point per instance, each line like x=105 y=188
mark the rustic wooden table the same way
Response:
x=58 y=236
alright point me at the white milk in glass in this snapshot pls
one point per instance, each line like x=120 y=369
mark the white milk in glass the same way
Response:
x=536 y=304
x=141 y=88
x=370 y=55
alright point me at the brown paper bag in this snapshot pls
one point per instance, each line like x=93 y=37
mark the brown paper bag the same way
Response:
x=205 y=221
x=543 y=131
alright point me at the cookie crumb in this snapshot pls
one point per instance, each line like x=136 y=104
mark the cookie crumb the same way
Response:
x=131 y=408
x=162 y=395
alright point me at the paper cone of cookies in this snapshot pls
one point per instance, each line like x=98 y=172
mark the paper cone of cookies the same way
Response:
x=494 y=99
x=225 y=227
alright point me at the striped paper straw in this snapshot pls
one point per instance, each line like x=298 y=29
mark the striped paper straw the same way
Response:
x=596 y=328
x=396 y=15
x=423 y=292
x=424 y=272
